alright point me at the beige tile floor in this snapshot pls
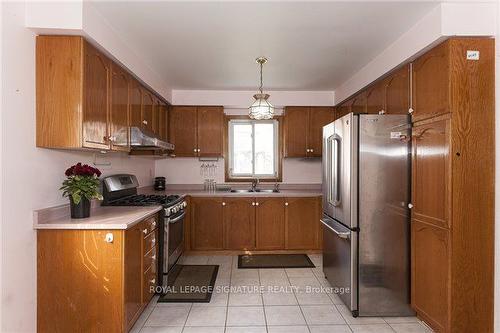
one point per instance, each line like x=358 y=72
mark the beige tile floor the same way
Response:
x=287 y=308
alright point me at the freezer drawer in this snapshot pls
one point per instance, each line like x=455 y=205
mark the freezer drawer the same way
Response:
x=340 y=261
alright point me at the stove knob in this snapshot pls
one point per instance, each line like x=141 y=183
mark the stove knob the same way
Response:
x=173 y=210
x=184 y=204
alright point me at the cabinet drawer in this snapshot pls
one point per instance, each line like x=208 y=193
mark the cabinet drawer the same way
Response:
x=150 y=240
x=150 y=224
x=149 y=282
x=150 y=260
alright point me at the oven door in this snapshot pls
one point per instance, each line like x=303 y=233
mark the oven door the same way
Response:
x=175 y=241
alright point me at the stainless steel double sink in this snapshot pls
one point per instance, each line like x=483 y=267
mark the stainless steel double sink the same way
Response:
x=258 y=190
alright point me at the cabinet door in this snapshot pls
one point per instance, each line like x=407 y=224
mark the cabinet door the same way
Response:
x=156 y=116
x=431 y=171
x=206 y=224
x=375 y=98
x=96 y=90
x=182 y=129
x=302 y=223
x=270 y=223
x=119 y=115
x=296 y=120
x=318 y=117
x=358 y=103
x=133 y=273
x=239 y=223
x=431 y=83
x=342 y=109
x=135 y=104
x=147 y=111
x=430 y=250
x=210 y=130
x=80 y=285
x=162 y=121
x=397 y=91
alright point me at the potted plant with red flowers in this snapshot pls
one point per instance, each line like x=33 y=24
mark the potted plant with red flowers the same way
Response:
x=81 y=186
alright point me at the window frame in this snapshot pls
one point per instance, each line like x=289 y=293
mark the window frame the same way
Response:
x=227 y=148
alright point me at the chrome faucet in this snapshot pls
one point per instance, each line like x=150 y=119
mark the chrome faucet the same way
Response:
x=255 y=182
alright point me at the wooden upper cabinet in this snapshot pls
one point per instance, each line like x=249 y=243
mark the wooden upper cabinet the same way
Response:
x=196 y=131
x=295 y=131
x=59 y=78
x=303 y=134
x=431 y=172
x=162 y=121
x=148 y=103
x=210 y=126
x=119 y=115
x=206 y=224
x=431 y=83
x=302 y=223
x=182 y=130
x=358 y=103
x=318 y=117
x=96 y=91
x=430 y=260
x=239 y=223
x=156 y=116
x=375 y=98
x=270 y=223
x=84 y=100
x=397 y=91
x=342 y=109
x=135 y=104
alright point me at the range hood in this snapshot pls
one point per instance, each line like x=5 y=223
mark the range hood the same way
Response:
x=141 y=139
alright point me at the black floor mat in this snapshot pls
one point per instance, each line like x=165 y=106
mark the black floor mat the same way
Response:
x=190 y=283
x=274 y=261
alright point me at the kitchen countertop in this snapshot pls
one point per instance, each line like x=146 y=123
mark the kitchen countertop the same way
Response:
x=124 y=217
x=196 y=191
x=101 y=217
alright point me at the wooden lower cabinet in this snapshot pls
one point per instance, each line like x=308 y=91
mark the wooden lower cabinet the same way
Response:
x=270 y=223
x=255 y=223
x=87 y=284
x=239 y=223
x=133 y=273
x=207 y=232
x=302 y=223
x=430 y=255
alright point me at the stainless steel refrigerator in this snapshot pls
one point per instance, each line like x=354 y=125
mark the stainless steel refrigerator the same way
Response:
x=366 y=220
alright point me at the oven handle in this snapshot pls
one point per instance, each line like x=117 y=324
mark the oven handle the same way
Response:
x=180 y=217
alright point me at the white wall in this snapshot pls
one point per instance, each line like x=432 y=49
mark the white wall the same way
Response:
x=30 y=176
x=295 y=170
x=79 y=17
x=447 y=19
x=243 y=99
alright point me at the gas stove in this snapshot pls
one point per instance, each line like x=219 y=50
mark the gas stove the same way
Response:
x=145 y=200
x=121 y=190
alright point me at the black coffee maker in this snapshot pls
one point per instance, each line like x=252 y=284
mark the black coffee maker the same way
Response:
x=159 y=184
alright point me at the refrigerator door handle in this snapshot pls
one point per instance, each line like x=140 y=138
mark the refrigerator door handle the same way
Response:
x=329 y=168
x=341 y=234
x=336 y=169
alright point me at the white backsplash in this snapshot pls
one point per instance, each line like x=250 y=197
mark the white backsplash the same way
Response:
x=186 y=170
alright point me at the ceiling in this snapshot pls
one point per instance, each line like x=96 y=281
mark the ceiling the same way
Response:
x=213 y=45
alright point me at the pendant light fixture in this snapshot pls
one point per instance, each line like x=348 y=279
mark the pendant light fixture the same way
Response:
x=261 y=108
